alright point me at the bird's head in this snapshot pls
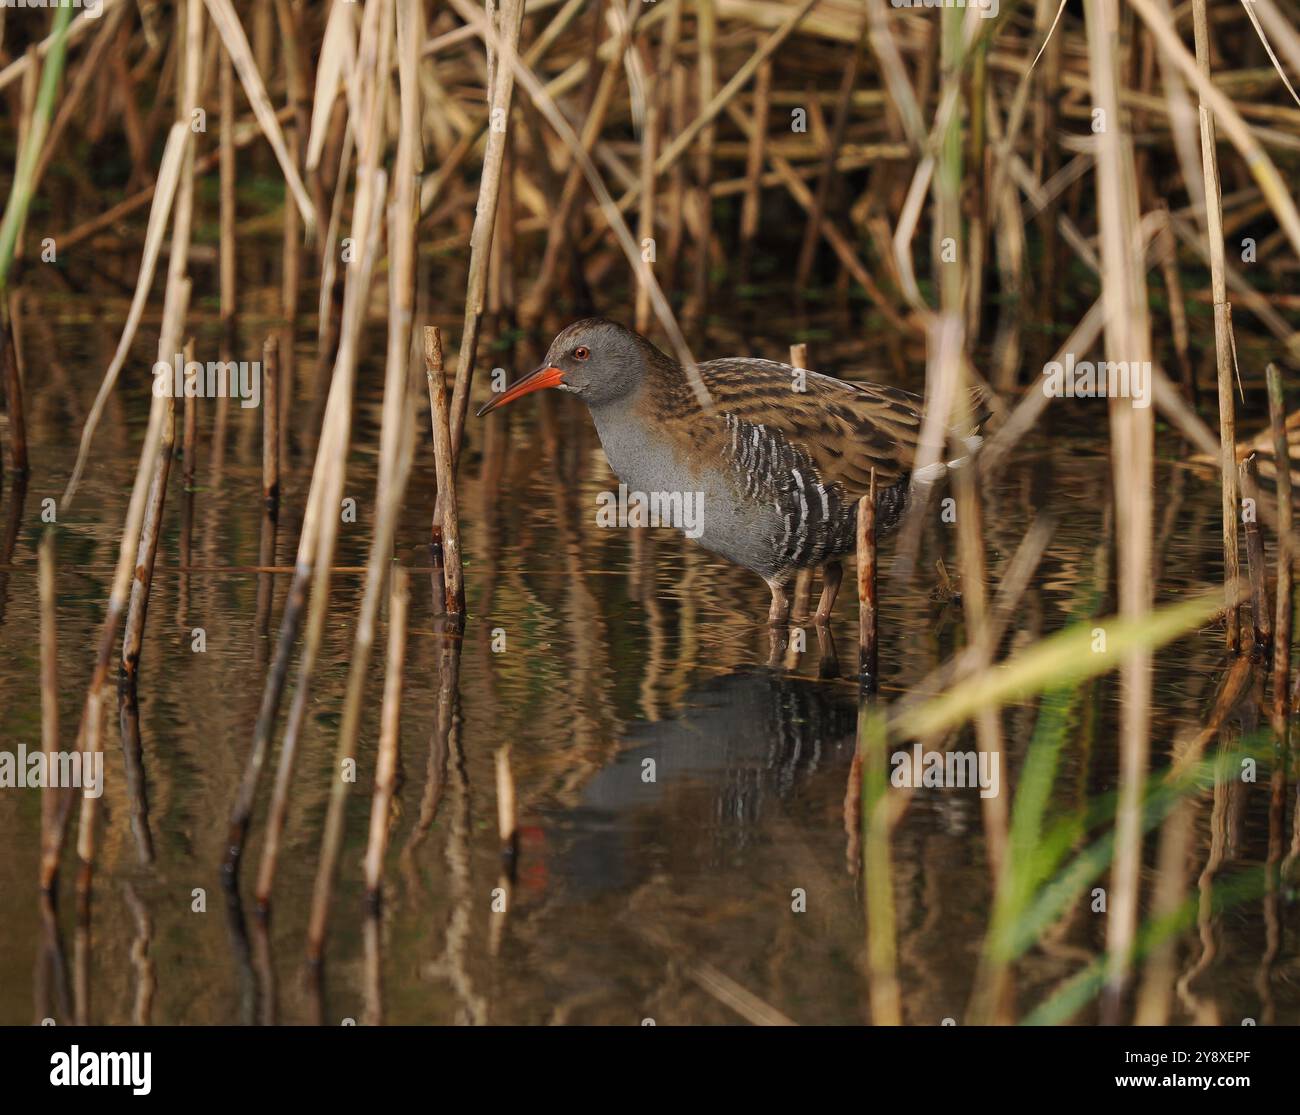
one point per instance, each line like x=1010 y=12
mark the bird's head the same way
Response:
x=599 y=361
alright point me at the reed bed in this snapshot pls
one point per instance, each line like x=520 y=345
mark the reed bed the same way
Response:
x=803 y=148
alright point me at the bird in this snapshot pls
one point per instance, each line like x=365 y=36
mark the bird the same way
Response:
x=779 y=455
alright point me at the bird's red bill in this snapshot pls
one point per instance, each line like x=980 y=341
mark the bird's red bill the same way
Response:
x=534 y=381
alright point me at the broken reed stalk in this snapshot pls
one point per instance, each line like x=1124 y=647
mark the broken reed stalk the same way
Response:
x=447 y=527
x=1224 y=347
x=141 y=583
x=56 y=802
x=399 y=594
x=1249 y=480
x=868 y=654
x=507 y=809
x=271 y=426
x=1285 y=556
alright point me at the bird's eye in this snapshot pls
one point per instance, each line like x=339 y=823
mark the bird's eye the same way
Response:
x=581 y=352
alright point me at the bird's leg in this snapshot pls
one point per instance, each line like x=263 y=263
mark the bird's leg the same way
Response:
x=802 y=595
x=832 y=575
x=780 y=610
x=828 y=664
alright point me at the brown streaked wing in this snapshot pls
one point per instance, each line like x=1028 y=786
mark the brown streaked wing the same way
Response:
x=847 y=429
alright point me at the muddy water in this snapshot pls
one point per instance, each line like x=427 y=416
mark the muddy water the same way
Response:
x=725 y=889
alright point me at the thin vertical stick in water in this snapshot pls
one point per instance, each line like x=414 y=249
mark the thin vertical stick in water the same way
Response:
x=1223 y=342
x=444 y=460
x=1260 y=619
x=271 y=426
x=89 y=741
x=189 y=432
x=755 y=158
x=147 y=552
x=649 y=148
x=706 y=32
x=227 y=200
x=868 y=655
x=1285 y=556
x=389 y=734
x=802 y=596
x=55 y=801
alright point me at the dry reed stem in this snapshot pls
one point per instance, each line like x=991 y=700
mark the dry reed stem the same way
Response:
x=330 y=453
x=868 y=615
x=1223 y=342
x=236 y=43
x=826 y=169
x=329 y=474
x=1285 y=558
x=1271 y=183
x=89 y=739
x=55 y=802
x=507 y=807
x=13 y=392
x=169 y=176
x=724 y=97
x=320 y=524
x=226 y=203
x=1259 y=610
x=1127 y=337
x=546 y=105
x=389 y=734
x=755 y=159
x=396 y=441
x=878 y=886
x=447 y=521
x=147 y=552
x=838 y=242
x=485 y=213
x=271 y=426
x=560 y=224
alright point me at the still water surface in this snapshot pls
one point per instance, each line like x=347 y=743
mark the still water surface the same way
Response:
x=672 y=900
